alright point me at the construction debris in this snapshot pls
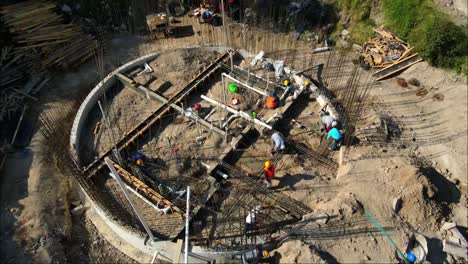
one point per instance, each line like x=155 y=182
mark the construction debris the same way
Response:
x=39 y=32
x=455 y=244
x=16 y=82
x=388 y=53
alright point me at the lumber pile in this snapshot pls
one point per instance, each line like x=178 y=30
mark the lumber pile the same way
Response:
x=385 y=49
x=16 y=82
x=37 y=28
x=388 y=54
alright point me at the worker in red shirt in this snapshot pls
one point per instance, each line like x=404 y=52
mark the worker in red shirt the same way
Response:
x=269 y=170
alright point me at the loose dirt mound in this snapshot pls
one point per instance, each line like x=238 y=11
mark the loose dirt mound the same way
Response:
x=298 y=252
x=419 y=207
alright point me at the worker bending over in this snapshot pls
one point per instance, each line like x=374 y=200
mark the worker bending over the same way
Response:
x=272 y=101
x=253 y=218
x=269 y=171
x=335 y=134
x=327 y=121
x=278 y=142
x=138 y=158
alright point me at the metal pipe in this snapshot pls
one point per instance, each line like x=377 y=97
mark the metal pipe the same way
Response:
x=141 y=196
x=124 y=190
x=236 y=112
x=246 y=85
x=210 y=114
x=229 y=120
x=187 y=221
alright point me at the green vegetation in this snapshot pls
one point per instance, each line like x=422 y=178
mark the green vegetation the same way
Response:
x=355 y=16
x=418 y=22
x=431 y=32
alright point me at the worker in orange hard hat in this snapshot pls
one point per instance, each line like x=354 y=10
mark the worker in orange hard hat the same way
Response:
x=139 y=162
x=138 y=158
x=269 y=171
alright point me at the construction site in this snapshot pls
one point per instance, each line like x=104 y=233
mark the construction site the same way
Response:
x=225 y=131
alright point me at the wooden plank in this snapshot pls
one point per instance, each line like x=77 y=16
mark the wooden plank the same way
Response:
x=393 y=64
x=398 y=67
x=144 y=189
x=178 y=250
x=125 y=79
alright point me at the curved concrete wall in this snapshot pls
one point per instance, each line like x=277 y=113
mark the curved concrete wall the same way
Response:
x=140 y=250
x=103 y=86
x=94 y=96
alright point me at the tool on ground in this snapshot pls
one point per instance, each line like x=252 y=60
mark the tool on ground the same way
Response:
x=382 y=230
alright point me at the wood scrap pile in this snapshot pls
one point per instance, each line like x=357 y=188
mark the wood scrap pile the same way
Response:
x=385 y=49
x=37 y=28
x=15 y=82
x=387 y=53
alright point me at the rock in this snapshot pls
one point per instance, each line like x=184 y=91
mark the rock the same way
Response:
x=66 y=9
x=455 y=249
x=79 y=210
x=397 y=203
x=344 y=33
x=322 y=219
x=76 y=203
x=448 y=226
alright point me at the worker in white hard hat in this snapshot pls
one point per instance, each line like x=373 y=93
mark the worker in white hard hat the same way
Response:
x=254 y=217
x=278 y=142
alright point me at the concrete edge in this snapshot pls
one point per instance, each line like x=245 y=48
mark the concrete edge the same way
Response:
x=128 y=242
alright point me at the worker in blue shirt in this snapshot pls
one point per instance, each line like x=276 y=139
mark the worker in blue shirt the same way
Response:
x=335 y=134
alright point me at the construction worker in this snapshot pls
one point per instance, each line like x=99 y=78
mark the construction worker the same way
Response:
x=335 y=134
x=278 y=142
x=327 y=121
x=289 y=89
x=138 y=158
x=269 y=171
x=253 y=217
x=272 y=101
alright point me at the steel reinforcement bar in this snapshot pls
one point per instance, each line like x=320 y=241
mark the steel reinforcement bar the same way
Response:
x=139 y=130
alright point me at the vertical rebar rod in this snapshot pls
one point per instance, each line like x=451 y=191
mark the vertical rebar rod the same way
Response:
x=187 y=221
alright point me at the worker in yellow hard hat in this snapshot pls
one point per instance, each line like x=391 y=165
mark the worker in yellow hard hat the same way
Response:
x=269 y=171
x=286 y=82
x=307 y=84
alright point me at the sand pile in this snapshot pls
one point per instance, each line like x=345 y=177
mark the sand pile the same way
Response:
x=299 y=252
x=181 y=65
x=419 y=207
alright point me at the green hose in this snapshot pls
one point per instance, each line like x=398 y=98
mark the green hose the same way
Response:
x=377 y=224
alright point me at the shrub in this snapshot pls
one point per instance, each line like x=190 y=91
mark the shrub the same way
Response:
x=431 y=32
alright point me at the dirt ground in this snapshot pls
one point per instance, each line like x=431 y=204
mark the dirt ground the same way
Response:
x=426 y=167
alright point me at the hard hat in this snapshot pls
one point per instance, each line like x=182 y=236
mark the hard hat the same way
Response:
x=139 y=162
x=286 y=82
x=233 y=88
x=334 y=124
x=267 y=164
x=265 y=254
x=307 y=83
x=253 y=114
x=411 y=257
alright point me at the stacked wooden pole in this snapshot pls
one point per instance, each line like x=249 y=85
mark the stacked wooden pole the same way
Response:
x=37 y=27
x=41 y=41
